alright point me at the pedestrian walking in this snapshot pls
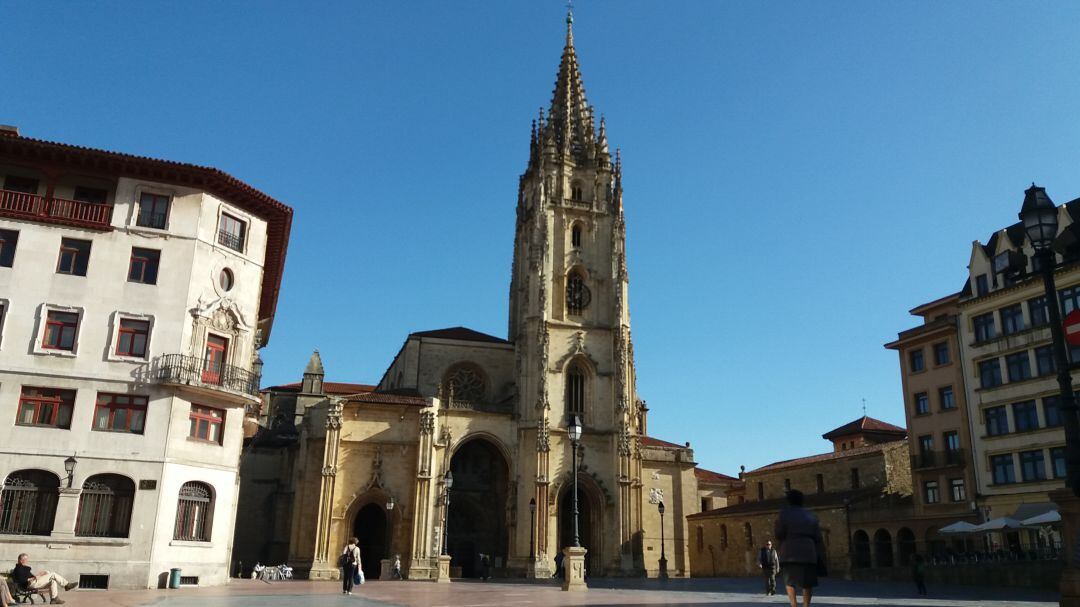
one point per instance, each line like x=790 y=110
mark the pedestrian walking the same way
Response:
x=918 y=574
x=485 y=567
x=397 y=567
x=769 y=563
x=349 y=561
x=802 y=551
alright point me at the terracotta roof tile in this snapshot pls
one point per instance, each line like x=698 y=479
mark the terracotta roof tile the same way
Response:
x=383 y=398
x=648 y=441
x=865 y=424
x=708 y=476
x=823 y=457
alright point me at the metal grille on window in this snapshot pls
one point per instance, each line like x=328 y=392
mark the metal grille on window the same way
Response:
x=575 y=390
x=193 y=513
x=577 y=294
x=28 y=503
x=105 y=506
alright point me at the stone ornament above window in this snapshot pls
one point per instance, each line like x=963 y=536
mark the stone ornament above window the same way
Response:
x=465 y=382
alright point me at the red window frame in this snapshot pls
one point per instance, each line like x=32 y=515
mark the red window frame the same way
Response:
x=234 y=227
x=58 y=325
x=78 y=252
x=119 y=413
x=143 y=267
x=48 y=407
x=217 y=349
x=127 y=338
x=207 y=424
x=150 y=207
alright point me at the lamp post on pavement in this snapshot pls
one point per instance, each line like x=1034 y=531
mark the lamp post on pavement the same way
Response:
x=532 y=530
x=448 y=482
x=574 y=556
x=663 y=554
x=575 y=437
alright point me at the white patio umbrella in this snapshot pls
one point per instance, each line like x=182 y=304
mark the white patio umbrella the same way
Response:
x=998 y=524
x=1046 y=518
x=957 y=528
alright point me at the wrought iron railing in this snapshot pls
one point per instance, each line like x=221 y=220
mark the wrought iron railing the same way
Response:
x=103 y=511
x=148 y=219
x=32 y=206
x=27 y=507
x=233 y=241
x=206 y=372
x=935 y=459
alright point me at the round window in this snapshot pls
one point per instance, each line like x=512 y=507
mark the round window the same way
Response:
x=226 y=279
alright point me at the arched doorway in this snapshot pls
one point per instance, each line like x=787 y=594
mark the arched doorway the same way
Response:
x=905 y=545
x=370 y=528
x=588 y=524
x=883 y=555
x=860 y=545
x=477 y=517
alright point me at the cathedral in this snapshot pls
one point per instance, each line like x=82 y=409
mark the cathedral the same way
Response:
x=463 y=445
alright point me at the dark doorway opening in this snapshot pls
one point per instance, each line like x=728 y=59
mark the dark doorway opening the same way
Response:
x=587 y=524
x=477 y=518
x=370 y=528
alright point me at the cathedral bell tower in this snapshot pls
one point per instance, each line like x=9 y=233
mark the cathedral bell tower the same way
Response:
x=569 y=316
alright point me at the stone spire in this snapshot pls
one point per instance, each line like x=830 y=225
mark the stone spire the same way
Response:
x=570 y=122
x=313 y=375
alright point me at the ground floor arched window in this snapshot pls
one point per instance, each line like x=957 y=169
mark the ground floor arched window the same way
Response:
x=105 y=506
x=28 y=502
x=194 y=512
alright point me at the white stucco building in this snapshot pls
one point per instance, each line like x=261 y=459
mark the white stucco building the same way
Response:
x=134 y=294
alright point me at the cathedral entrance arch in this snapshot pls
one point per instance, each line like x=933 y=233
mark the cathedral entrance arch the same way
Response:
x=590 y=509
x=477 y=517
x=369 y=527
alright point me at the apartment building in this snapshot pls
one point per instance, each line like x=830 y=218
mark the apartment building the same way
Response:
x=935 y=407
x=134 y=296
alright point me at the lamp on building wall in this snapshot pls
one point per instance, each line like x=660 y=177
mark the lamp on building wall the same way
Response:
x=663 y=554
x=575 y=436
x=448 y=482
x=1040 y=218
x=390 y=503
x=69 y=467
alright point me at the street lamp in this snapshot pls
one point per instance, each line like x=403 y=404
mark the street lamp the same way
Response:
x=1040 y=219
x=448 y=482
x=532 y=529
x=69 y=467
x=575 y=436
x=663 y=554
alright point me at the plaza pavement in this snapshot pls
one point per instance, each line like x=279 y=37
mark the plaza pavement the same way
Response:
x=730 y=592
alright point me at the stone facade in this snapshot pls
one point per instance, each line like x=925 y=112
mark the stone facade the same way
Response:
x=115 y=279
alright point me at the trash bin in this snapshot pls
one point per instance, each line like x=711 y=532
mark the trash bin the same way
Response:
x=174 y=578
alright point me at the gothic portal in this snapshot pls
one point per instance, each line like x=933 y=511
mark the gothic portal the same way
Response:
x=494 y=412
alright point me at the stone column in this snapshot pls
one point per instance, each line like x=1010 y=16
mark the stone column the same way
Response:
x=67 y=511
x=1069 y=508
x=323 y=567
x=574 y=569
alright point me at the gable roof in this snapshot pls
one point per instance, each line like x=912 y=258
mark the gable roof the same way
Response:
x=865 y=425
x=460 y=333
x=824 y=457
x=648 y=441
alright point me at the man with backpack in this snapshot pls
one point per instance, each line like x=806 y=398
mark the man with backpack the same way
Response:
x=349 y=561
x=769 y=563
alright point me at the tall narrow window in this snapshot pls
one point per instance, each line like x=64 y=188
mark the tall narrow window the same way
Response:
x=577 y=294
x=575 y=236
x=231 y=232
x=60 y=330
x=8 y=241
x=854 y=478
x=132 y=338
x=153 y=211
x=45 y=407
x=1051 y=413
x=575 y=390
x=74 y=257
x=941 y=353
x=990 y=373
x=1012 y=319
x=144 y=265
x=948 y=400
x=916 y=358
x=194 y=513
x=217 y=348
x=761 y=491
x=997 y=420
x=956 y=489
x=820 y=479
x=931 y=492
x=28 y=503
x=984 y=326
x=1037 y=312
x=105 y=506
x=1044 y=361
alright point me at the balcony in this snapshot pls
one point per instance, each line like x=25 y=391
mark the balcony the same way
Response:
x=56 y=210
x=231 y=240
x=937 y=459
x=204 y=375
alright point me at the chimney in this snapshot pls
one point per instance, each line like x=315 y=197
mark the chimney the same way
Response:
x=7 y=130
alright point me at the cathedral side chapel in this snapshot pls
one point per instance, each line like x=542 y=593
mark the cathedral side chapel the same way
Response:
x=335 y=460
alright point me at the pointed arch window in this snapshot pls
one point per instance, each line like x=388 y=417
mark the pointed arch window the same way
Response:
x=194 y=512
x=575 y=236
x=105 y=506
x=575 y=389
x=575 y=190
x=578 y=295
x=748 y=532
x=465 y=382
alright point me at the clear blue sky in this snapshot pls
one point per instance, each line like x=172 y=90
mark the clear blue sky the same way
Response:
x=797 y=175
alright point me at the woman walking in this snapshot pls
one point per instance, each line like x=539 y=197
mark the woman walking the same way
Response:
x=349 y=561
x=802 y=551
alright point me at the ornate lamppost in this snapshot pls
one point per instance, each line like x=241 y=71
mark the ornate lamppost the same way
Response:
x=575 y=438
x=443 y=574
x=574 y=556
x=663 y=554
x=532 y=530
x=69 y=467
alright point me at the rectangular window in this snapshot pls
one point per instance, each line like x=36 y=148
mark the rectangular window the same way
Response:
x=1037 y=312
x=982 y=285
x=91 y=195
x=1002 y=468
x=1025 y=417
x=74 y=257
x=820 y=480
x=997 y=421
x=916 y=358
x=1012 y=319
x=132 y=338
x=922 y=403
x=952 y=442
x=984 y=327
x=1044 y=361
x=926 y=444
x=231 y=232
x=989 y=373
x=23 y=185
x=8 y=241
x=153 y=211
x=956 y=490
x=1032 y=466
x=1051 y=414
x=60 y=330
x=854 y=478
x=1019 y=366
x=941 y=353
x=787 y=484
x=948 y=400
x=120 y=413
x=206 y=423
x=760 y=491
x=217 y=349
x=1070 y=299
x=930 y=490
x=45 y=407
x=1057 y=459
x=144 y=266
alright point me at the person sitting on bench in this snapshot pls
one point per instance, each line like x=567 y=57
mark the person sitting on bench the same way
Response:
x=25 y=578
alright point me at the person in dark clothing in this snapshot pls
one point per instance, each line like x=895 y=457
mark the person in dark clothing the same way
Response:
x=485 y=567
x=769 y=563
x=801 y=547
x=558 y=565
x=25 y=577
x=349 y=561
x=918 y=574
